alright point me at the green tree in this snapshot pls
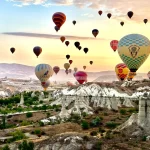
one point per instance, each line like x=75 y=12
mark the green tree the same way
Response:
x=6 y=147
x=85 y=125
x=26 y=145
x=29 y=114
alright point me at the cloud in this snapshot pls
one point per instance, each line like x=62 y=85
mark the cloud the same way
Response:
x=52 y=36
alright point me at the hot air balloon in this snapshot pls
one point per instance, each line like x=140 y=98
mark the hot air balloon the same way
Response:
x=100 y=12
x=74 y=22
x=37 y=50
x=59 y=18
x=67 y=43
x=95 y=32
x=70 y=61
x=43 y=72
x=145 y=21
x=81 y=77
x=79 y=47
x=66 y=71
x=70 y=70
x=12 y=50
x=75 y=69
x=114 y=44
x=109 y=15
x=56 y=28
x=62 y=38
x=67 y=56
x=134 y=49
x=121 y=71
x=131 y=76
x=66 y=66
x=45 y=85
x=74 y=74
x=91 y=62
x=130 y=14
x=122 y=23
x=148 y=74
x=84 y=67
x=77 y=44
x=56 y=69
x=85 y=50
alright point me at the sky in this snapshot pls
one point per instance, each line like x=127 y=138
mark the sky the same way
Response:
x=35 y=16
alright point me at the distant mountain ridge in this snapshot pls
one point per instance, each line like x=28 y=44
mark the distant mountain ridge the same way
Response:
x=21 y=71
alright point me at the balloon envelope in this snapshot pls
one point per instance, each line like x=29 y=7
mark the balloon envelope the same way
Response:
x=81 y=77
x=37 y=50
x=75 y=69
x=67 y=43
x=114 y=44
x=134 y=49
x=130 y=14
x=56 y=69
x=66 y=66
x=100 y=12
x=95 y=32
x=74 y=22
x=62 y=38
x=70 y=61
x=12 y=50
x=45 y=85
x=43 y=72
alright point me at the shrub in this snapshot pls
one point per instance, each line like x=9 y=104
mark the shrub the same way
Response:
x=101 y=130
x=97 y=146
x=85 y=138
x=18 y=135
x=37 y=131
x=85 y=125
x=41 y=124
x=122 y=111
x=26 y=145
x=111 y=125
x=93 y=133
x=6 y=147
x=95 y=122
x=144 y=138
x=29 y=114
x=105 y=114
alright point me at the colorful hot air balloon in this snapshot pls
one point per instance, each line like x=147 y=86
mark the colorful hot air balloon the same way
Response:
x=56 y=28
x=56 y=69
x=100 y=12
x=12 y=50
x=109 y=15
x=66 y=66
x=67 y=43
x=62 y=38
x=130 y=14
x=74 y=22
x=134 y=49
x=122 y=23
x=75 y=69
x=121 y=71
x=131 y=76
x=114 y=44
x=95 y=32
x=81 y=77
x=145 y=21
x=70 y=61
x=43 y=72
x=77 y=44
x=59 y=18
x=85 y=50
x=91 y=62
x=84 y=67
x=67 y=56
x=37 y=50
x=45 y=85
x=148 y=74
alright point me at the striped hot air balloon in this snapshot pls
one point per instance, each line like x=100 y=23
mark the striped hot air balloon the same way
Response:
x=59 y=19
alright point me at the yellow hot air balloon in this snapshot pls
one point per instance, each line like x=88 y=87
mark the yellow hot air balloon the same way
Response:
x=131 y=76
x=43 y=72
x=134 y=49
x=121 y=71
x=66 y=66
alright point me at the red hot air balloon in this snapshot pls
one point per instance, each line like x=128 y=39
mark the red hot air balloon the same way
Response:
x=12 y=50
x=67 y=43
x=37 y=50
x=70 y=61
x=59 y=18
x=100 y=12
x=84 y=67
x=114 y=44
x=81 y=77
x=56 y=69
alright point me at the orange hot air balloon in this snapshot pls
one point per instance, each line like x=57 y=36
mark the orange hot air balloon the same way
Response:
x=56 y=69
x=37 y=50
x=67 y=43
x=70 y=61
x=114 y=45
x=59 y=19
x=62 y=38
x=122 y=71
x=84 y=67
